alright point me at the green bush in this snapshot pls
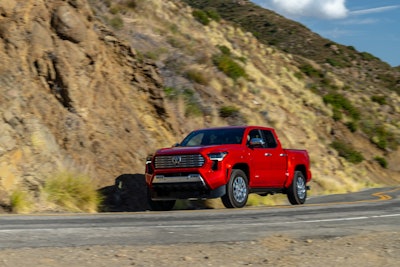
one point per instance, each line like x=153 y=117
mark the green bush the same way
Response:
x=213 y=14
x=256 y=34
x=229 y=66
x=131 y=4
x=298 y=75
x=228 y=111
x=204 y=17
x=337 y=114
x=334 y=62
x=224 y=50
x=367 y=56
x=341 y=103
x=327 y=83
x=201 y=16
x=273 y=42
x=310 y=71
x=381 y=161
x=347 y=151
x=352 y=126
x=380 y=99
x=380 y=137
x=314 y=88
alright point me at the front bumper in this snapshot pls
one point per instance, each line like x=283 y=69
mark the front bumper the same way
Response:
x=188 y=186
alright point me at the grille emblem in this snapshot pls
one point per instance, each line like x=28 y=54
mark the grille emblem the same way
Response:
x=176 y=160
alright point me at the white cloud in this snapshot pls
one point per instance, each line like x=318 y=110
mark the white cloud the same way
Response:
x=373 y=10
x=322 y=9
x=325 y=9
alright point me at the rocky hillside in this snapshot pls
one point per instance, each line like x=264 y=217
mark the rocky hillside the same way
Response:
x=95 y=86
x=73 y=96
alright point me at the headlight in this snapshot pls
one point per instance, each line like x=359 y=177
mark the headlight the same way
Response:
x=149 y=159
x=217 y=156
x=149 y=167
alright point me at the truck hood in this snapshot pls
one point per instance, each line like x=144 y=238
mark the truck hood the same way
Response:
x=193 y=150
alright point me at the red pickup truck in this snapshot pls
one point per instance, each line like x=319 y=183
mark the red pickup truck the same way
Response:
x=227 y=162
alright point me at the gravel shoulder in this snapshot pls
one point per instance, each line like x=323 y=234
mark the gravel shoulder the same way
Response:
x=365 y=249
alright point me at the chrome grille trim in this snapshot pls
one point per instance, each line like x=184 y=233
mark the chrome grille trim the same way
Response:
x=184 y=161
x=190 y=178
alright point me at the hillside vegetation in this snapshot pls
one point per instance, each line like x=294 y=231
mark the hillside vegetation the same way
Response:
x=93 y=87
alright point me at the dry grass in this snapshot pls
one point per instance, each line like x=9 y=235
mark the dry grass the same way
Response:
x=72 y=192
x=21 y=202
x=269 y=200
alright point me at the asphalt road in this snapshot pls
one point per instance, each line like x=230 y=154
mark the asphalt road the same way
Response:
x=372 y=210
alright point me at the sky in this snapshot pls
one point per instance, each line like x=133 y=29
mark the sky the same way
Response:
x=371 y=26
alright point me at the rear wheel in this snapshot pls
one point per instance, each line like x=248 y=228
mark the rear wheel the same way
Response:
x=237 y=190
x=297 y=192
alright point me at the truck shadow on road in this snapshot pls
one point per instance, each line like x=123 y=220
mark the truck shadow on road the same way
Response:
x=129 y=193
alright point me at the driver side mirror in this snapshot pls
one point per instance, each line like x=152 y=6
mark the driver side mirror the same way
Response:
x=256 y=142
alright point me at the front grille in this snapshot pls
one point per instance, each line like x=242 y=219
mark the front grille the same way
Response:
x=179 y=161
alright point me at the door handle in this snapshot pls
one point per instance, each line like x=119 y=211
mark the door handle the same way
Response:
x=268 y=154
x=283 y=155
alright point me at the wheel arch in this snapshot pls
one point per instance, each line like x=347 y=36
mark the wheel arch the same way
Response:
x=244 y=167
x=303 y=169
x=300 y=167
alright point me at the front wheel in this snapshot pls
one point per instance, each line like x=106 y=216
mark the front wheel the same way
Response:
x=237 y=190
x=161 y=205
x=297 y=192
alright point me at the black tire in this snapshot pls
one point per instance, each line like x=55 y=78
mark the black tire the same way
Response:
x=237 y=190
x=161 y=205
x=297 y=192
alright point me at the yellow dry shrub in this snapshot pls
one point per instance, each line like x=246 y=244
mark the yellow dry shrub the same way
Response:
x=21 y=202
x=72 y=192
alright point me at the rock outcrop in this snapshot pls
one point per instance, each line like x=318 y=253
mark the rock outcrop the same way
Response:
x=72 y=96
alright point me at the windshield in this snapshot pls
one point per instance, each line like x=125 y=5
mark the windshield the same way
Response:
x=214 y=137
